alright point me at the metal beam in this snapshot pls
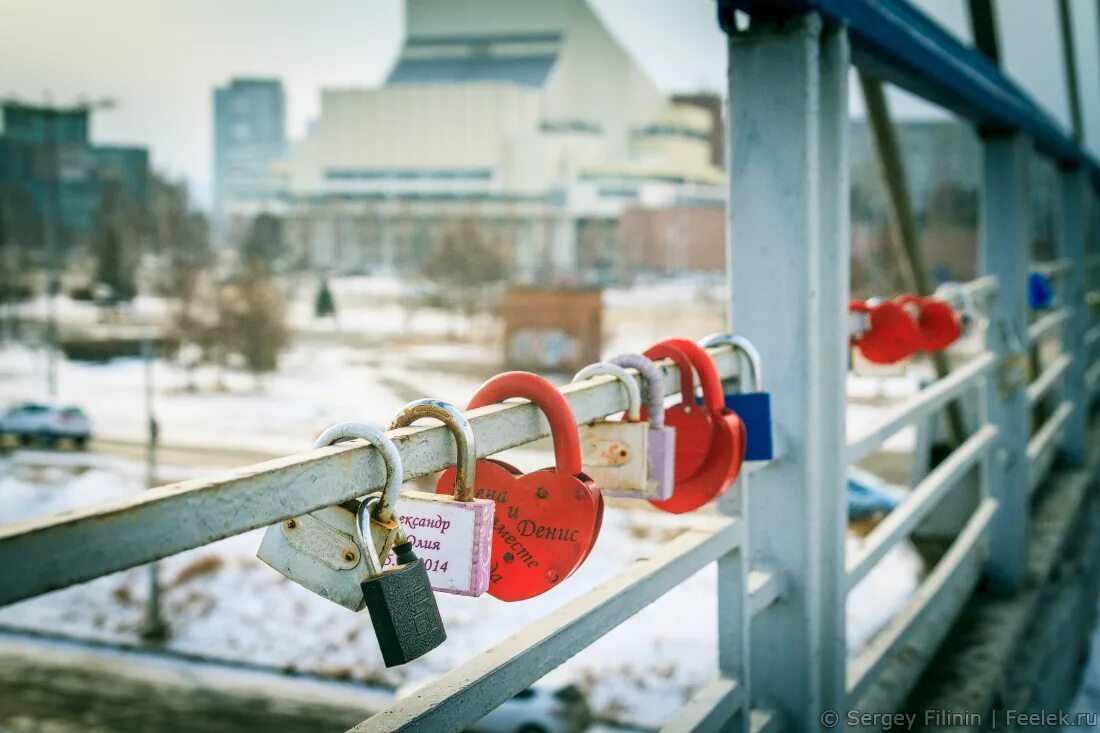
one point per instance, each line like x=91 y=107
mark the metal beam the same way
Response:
x=1069 y=61
x=1073 y=211
x=921 y=500
x=788 y=117
x=709 y=710
x=115 y=535
x=921 y=405
x=983 y=28
x=1004 y=245
x=949 y=583
x=461 y=697
x=897 y=43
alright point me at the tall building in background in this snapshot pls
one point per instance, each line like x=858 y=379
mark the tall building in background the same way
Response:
x=249 y=142
x=51 y=173
x=527 y=116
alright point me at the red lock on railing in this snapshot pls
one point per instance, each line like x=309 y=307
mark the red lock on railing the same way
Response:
x=547 y=521
x=938 y=325
x=891 y=336
x=726 y=442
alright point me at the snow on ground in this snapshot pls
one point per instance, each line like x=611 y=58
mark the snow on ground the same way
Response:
x=222 y=602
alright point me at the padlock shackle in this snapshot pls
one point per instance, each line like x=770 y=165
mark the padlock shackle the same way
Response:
x=453 y=419
x=545 y=396
x=711 y=383
x=687 y=372
x=395 y=473
x=654 y=385
x=746 y=349
x=633 y=394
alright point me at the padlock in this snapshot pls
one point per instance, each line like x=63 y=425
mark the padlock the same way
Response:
x=755 y=407
x=662 y=439
x=400 y=601
x=451 y=534
x=938 y=326
x=615 y=454
x=1040 y=291
x=693 y=423
x=892 y=335
x=968 y=311
x=727 y=446
x=547 y=521
x=319 y=550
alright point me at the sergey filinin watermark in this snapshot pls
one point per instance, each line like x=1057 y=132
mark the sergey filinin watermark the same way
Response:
x=962 y=718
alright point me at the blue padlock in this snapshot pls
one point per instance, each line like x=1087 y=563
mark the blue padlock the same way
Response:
x=1040 y=291
x=754 y=408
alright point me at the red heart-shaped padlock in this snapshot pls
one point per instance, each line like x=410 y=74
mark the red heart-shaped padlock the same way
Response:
x=938 y=325
x=893 y=333
x=727 y=449
x=547 y=521
x=693 y=422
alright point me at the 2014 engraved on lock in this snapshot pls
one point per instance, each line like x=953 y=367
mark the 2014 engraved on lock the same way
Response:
x=445 y=537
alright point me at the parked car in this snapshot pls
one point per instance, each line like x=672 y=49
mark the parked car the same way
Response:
x=46 y=423
x=534 y=710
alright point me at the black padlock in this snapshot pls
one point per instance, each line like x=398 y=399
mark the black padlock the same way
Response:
x=400 y=601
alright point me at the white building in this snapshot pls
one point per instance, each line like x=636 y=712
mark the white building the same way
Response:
x=524 y=114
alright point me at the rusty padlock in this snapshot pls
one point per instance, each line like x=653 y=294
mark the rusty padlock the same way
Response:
x=320 y=550
x=614 y=454
x=662 y=439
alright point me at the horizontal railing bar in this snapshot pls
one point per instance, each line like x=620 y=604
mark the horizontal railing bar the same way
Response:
x=467 y=693
x=1047 y=324
x=923 y=403
x=1048 y=378
x=922 y=500
x=1092 y=378
x=709 y=709
x=1053 y=268
x=980 y=289
x=1041 y=448
x=765 y=721
x=1092 y=335
x=957 y=568
x=764 y=590
x=124 y=533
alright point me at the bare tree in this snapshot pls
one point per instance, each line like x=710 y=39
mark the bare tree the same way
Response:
x=116 y=243
x=252 y=320
x=465 y=261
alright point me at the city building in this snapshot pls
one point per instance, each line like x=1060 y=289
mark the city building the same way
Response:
x=249 y=142
x=525 y=115
x=51 y=172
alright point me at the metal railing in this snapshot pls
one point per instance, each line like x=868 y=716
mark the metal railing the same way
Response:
x=778 y=537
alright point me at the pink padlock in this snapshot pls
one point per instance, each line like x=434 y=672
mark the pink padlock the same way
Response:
x=662 y=439
x=452 y=535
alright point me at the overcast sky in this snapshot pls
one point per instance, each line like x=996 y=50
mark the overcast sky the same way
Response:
x=161 y=59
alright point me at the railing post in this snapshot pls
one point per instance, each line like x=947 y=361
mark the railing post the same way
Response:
x=1005 y=252
x=1071 y=245
x=788 y=264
